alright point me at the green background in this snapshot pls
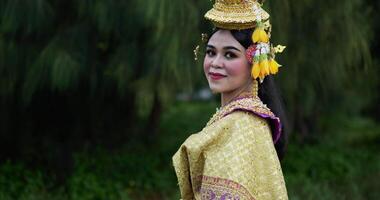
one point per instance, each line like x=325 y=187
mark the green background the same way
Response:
x=89 y=107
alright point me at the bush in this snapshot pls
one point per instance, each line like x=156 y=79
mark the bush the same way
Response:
x=333 y=167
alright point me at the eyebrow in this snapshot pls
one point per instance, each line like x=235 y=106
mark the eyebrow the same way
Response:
x=225 y=48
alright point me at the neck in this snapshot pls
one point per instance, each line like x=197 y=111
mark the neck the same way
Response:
x=250 y=89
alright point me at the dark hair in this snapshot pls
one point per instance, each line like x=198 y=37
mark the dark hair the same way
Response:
x=269 y=93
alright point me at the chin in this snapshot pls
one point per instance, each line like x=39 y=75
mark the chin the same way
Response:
x=216 y=89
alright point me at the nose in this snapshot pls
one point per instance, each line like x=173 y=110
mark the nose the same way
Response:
x=217 y=61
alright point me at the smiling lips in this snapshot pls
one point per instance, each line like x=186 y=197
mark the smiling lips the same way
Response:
x=216 y=76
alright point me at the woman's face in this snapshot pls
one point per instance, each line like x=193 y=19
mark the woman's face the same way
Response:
x=225 y=65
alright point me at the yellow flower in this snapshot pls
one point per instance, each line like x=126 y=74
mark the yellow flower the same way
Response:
x=255 y=71
x=264 y=67
x=259 y=35
x=279 y=49
x=273 y=65
x=264 y=36
x=262 y=75
x=255 y=35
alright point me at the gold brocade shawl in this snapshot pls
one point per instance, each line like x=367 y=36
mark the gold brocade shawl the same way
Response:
x=233 y=157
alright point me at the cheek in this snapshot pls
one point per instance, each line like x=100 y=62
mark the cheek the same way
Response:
x=206 y=64
x=238 y=68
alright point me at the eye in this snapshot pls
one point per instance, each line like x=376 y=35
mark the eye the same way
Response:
x=230 y=55
x=210 y=52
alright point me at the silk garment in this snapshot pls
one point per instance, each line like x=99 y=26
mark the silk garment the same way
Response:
x=233 y=157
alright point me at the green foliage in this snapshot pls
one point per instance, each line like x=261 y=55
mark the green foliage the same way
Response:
x=68 y=45
x=95 y=56
x=331 y=168
x=135 y=172
x=342 y=164
x=328 y=61
x=32 y=17
x=17 y=182
x=143 y=49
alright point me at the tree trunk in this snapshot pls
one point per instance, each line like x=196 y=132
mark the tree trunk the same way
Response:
x=153 y=122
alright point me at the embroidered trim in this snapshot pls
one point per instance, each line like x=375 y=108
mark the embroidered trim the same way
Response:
x=220 y=188
x=253 y=104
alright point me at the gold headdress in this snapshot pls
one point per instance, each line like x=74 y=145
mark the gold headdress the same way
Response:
x=246 y=14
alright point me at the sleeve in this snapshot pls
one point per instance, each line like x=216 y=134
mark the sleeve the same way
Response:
x=181 y=166
x=243 y=164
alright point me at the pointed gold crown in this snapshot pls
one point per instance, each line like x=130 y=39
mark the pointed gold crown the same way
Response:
x=236 y=14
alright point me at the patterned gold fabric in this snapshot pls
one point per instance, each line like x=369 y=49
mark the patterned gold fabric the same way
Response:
x=231 y=158
x=236 y=14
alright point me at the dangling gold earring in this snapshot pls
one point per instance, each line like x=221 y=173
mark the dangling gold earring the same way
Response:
x=255 y=88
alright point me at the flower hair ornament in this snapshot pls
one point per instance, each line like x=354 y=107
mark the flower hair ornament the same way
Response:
x=249 y=14
x=204 y=41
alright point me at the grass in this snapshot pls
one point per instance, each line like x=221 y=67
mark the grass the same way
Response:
x=343 y=164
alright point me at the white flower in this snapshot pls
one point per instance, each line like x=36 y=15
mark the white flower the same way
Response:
x=257 y=11
x=257 y=52
x=262 y=51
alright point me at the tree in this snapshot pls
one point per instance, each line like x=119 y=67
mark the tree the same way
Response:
x=328 y=62
x=84 y=72
x=76 y=73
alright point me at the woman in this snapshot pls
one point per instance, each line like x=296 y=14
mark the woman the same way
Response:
x=234 y=156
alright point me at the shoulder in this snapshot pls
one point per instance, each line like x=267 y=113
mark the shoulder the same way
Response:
x=236 y=120
x=245 y=118
x=256 y=112
x=246 y=123
x=235 y=124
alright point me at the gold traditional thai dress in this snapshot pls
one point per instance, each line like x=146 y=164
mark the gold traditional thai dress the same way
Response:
x=233 y=157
